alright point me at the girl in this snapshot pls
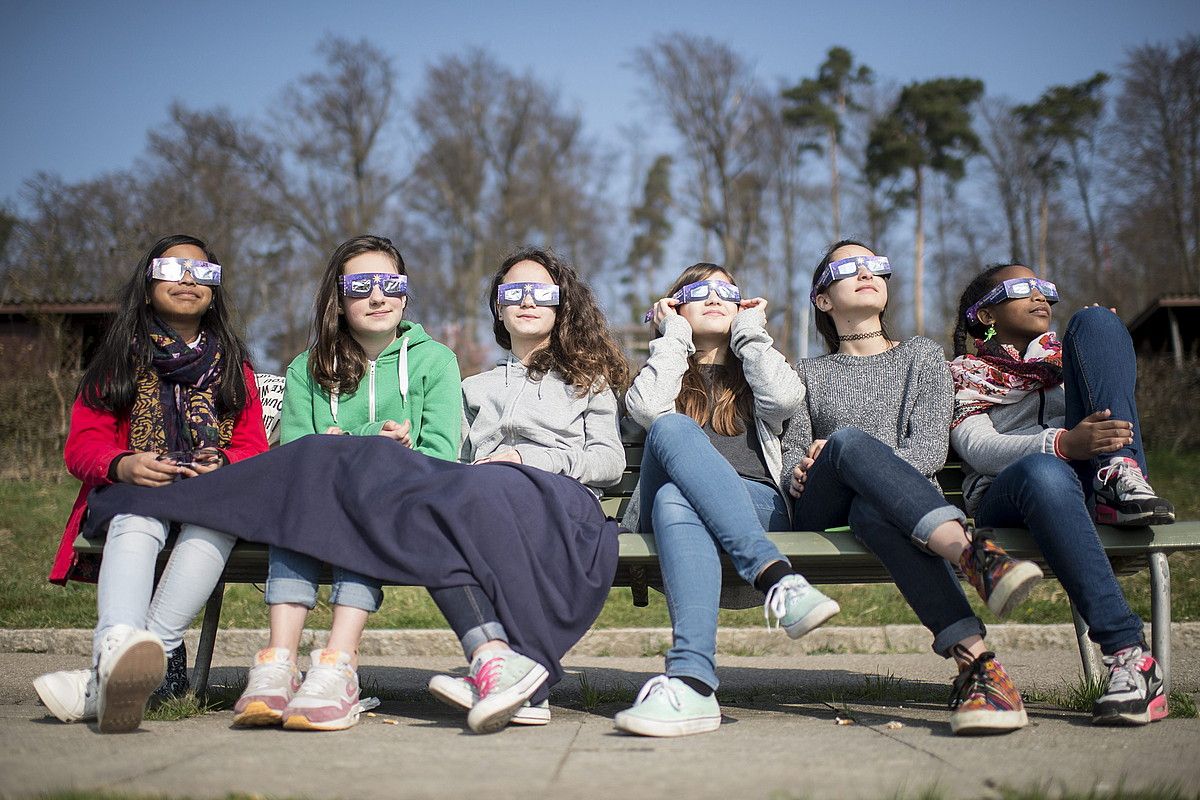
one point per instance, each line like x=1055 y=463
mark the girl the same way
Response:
x=519 y=559
x=370 y=372
x=879 y=414
x=1029 y=414
x=169 y=395
x=713 y=396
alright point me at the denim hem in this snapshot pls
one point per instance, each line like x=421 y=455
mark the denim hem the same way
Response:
x=365 y=597
x=951 y=635
x=927 y=524
x=481 y=634
x=290 y=590
x=710 y=681
x=1139 y=639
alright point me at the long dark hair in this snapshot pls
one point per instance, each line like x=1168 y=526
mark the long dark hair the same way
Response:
x=581 y=348
x=977 y=288
x=110 y=381
x=824 y=322
x=336 y=361
x=730 y=405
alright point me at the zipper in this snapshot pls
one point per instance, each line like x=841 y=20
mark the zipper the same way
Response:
x=1042 y=408
x=371 y=391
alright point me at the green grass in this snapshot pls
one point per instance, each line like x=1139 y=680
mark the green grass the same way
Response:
x=32 y=516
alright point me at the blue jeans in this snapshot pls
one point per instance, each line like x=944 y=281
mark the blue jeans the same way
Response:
x=293 y=577
x=471 y=615
x=697 y=505
x=892 y=509
x=1099 y=372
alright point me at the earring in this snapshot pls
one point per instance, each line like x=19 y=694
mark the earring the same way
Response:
x=991 y=331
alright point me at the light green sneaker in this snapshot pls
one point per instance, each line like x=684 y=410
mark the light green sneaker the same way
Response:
x=669 y=707
x=503 y=681
x=798 y=606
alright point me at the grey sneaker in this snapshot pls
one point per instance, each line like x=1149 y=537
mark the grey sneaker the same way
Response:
x=1125 y=498
x=669 y=707
x=131 y=666
x=271 y=684
x=503 y=681
x=458 y=692
x=69 y=695
x=798 y=607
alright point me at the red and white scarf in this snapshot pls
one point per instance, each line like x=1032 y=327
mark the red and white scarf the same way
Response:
x=999 y=375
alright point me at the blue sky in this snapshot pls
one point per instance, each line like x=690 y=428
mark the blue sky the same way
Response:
x=82 y=82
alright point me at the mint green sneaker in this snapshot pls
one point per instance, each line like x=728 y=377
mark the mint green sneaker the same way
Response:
x=798 y=606
x=503 y=681
x=669 y=707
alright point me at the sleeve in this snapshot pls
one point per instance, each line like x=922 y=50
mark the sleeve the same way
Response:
x=92 y=443
x=441 y=414
x=658 y=383
x=797 y=436
x=988 y=452
x=249 y=435
x=602 y=459
x=466 y=452
x=298 y=394
x=926 y=439
x=778 y=390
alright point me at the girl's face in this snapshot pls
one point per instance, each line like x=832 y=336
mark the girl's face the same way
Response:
x=711 y=316
x=527 y=321
x=864 y=292
x=376 y=313
x=1020 y=319
x=183 y=300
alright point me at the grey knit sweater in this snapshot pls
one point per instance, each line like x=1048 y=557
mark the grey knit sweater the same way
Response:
x=903 y=397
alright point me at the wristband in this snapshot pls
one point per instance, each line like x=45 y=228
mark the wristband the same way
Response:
x=1059 y=453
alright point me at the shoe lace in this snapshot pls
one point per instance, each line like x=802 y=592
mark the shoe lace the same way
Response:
x=1122 y=669
x=267 y=675
x=322 y=680
x=968 y=680
x=485 y=678
x=660 y=684
x=1127 y=476
x=777 y=599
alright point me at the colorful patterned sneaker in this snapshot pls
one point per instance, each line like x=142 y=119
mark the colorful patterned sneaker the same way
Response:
x=328 y=699
x=669 y=707
x=1124 y=497
x=1001 y=580
x=985 y=700
x=503 y=681
x=1135 y=690
x=69 y=695
x=457 y=692
x=131 y=664
x=797 y=606
x=272 y=683
x=175 y=683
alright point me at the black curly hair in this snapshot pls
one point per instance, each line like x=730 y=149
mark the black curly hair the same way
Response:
x=965 y=330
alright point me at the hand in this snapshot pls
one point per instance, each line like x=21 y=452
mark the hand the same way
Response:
x=815 y=449
x=1097 y=305
x=511 y=456
x=144 y=469
x=662 y=309
x=398 y=432
x=334 y=430
x=203 y=461
x=754 y=302
x=1097 y=434
x=799 y=476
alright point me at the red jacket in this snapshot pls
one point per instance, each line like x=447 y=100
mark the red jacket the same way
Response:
x=97 y=437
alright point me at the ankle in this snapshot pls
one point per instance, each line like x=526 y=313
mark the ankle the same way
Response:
x=772 y=574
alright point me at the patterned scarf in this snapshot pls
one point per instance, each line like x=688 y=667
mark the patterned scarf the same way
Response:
x=999 y=375
x=176 y=403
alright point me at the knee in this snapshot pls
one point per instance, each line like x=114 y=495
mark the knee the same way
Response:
x=671 y=508
x=670 y=426
x=1096 y=321
x=847 y=440
x=1048 y=475
x=136 y=525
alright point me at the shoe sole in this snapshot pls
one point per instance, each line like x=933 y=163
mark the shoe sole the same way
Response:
x=50 y=700
x=1107 y=515
x=1013 y=589
x=299 y=722
x=814 y=619
x=525 y=715
x=136 y=673
x=1157 y=709
x=257 y=714
x=983 y=723
x=494 y=712
x=639 y=726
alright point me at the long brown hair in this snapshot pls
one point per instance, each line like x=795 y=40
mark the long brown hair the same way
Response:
x=336 y=361
x=581 y=348
x=730 y=405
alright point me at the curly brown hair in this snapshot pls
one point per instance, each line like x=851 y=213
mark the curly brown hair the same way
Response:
x=730 y=405
x=581 y=348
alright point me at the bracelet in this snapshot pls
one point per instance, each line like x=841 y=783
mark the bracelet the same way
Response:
x=1057 y=451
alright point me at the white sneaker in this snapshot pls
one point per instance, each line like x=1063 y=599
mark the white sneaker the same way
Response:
x=270 y=685
x=503 y=681
x=131 y=666
x=669 y=707
x=69 y=695
x=457 y=692
x=328 y=700
x=798 y=606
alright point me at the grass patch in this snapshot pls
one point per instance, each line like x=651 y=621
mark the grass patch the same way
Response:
x=592 y=696
x=1182 y=705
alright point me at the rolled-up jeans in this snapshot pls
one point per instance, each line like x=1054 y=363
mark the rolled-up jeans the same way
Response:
x=293 y=578
x=126 y=594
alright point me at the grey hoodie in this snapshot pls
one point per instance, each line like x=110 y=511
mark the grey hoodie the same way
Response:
x=546 y=421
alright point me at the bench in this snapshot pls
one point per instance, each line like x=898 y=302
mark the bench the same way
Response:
x=824 y=557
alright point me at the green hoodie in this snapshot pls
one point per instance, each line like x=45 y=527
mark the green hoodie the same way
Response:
x=414 y=378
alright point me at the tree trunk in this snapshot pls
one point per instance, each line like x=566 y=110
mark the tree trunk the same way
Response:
x=919 y=266
x=1043 y=228
x=1084 y=197
x=834 y=185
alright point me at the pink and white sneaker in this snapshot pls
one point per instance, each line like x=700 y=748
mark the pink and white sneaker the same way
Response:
x=1125 y=498
x=1134 y=695
x=328 y=700
x=273 y=681
x=460 y=693
x=503 y=681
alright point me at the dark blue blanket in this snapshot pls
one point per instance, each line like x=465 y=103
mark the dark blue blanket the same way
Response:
x=537 y=543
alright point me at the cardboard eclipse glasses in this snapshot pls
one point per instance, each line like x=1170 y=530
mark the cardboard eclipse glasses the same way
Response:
x=172 y=269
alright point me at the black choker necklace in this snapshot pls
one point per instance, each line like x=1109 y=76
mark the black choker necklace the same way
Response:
x=858 y=337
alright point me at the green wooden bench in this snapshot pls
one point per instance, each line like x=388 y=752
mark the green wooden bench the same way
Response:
x=824 y=557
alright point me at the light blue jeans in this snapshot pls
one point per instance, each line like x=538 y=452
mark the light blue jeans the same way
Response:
x=126 y=594
x=293 y=578
x=697 y=506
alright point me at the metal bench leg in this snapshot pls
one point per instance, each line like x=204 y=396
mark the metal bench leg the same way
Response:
x=1160 y=615
x=208 y=639
x=638 y=586
x=1087 y=654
